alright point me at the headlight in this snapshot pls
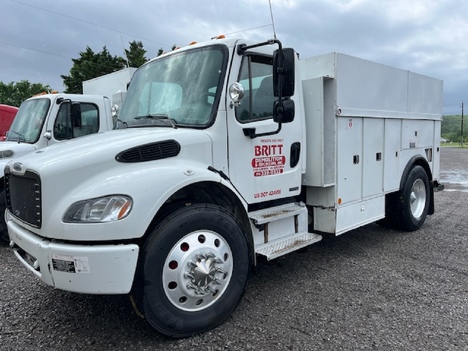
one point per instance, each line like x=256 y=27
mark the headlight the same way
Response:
x=6 y=153
x=103 y=209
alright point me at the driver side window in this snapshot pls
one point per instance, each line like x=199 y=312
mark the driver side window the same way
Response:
x=257 y=78
x=62 y=124
x=86 y=123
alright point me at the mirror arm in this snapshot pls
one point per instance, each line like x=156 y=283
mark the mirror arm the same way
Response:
x=242 y=48
x=61 y=100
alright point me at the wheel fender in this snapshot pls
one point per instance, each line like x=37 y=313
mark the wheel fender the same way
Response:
x=201 y=173
x=421 y=161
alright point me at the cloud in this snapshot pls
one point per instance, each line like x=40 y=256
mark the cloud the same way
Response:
x=428 y=37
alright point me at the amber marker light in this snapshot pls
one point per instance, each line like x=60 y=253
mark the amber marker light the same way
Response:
x=124 y=210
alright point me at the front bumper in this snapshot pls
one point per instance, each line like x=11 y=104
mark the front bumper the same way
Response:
x=91 y=269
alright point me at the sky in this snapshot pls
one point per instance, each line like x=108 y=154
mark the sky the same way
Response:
x=39 y=39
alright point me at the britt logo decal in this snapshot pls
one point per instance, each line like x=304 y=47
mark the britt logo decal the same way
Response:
x=269 y=158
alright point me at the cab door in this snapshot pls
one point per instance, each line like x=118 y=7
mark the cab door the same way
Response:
x=262 y=168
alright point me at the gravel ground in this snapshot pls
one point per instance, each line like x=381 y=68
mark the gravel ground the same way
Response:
x=370 y=289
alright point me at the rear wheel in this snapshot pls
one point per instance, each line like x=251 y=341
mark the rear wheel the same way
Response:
x=413 y=201
x=194 y=270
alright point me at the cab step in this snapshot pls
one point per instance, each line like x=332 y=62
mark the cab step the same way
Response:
x=286 y=245
x=277 y=213
x=282 y=230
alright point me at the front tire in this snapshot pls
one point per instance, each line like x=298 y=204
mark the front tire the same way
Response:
x=4 y=237
x=413 y=200
x=194 y=270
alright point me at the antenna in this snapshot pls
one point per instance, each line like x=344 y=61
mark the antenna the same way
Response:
x=42 y=80
x=272 y=20
x=125 y=53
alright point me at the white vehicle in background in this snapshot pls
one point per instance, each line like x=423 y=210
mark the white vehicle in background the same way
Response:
x=114 y=85
x=225 y=150
x=47 y=119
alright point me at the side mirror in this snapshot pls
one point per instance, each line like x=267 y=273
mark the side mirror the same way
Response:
x=76 y=114
x=115 y=110
x=287 y=113
x=48 y=135
x=283 y=72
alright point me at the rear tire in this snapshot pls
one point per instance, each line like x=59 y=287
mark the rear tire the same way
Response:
x=194 y=270
x=412 y=203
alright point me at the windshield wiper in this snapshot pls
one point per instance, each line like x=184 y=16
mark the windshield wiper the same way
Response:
x=20 y=136
x=161 y=116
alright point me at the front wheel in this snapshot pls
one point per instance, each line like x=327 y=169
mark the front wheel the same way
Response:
x=3 y=227
x=413 y=200
x=194 y=270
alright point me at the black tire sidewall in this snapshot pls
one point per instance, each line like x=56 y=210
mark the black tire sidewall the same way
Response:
x=159 y=311
x=4 y=237
x=407 y=221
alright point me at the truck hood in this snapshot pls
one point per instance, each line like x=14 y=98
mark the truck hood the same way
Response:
x=140 y=163
x=13 y=149
x=19 y=149
x=100 y=150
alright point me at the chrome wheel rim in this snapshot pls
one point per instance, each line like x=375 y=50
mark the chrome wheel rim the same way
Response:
x=197 y=270
x=418 y=198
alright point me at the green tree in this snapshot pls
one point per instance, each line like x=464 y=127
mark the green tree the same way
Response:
x=15 y=93
x=451 y=128
x=136 y=54
x=90 y=65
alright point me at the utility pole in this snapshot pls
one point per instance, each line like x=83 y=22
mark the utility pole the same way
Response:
x=462 y=127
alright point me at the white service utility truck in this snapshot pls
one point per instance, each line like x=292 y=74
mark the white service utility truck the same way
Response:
x=224 y=151
x=47 y=119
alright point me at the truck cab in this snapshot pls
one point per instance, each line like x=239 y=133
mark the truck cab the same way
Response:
x=47 y=119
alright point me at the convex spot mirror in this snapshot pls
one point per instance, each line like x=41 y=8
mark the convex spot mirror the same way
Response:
x=287 y=115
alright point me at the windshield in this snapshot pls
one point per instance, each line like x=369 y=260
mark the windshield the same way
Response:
x=180 y=90
x=27 y=125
